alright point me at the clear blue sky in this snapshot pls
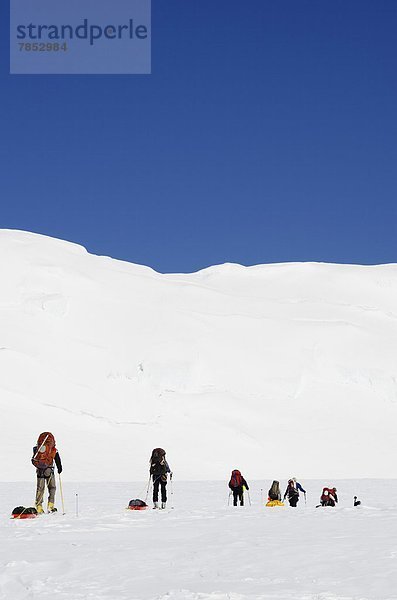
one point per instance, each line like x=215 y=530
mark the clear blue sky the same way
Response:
x=267 y=132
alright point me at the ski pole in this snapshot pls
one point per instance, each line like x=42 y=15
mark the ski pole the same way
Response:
x=305 y=498
x=77 y=505
x=172 y=492
x=228 y=498
x=261 y=496
x=249 y=497
x=61 y=490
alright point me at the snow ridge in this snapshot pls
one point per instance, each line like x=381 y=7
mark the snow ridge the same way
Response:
x=275 y=369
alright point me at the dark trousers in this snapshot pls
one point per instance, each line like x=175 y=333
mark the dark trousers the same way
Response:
x=293 y=500
x=157 y=482
x=238 y=494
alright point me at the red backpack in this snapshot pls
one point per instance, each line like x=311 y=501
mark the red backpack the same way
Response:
x=327 y=492
x=236 y=479
x=46 y=451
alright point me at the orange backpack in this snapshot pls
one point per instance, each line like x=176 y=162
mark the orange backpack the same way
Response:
x=46 y=451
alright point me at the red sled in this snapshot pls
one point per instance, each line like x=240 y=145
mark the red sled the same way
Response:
x=24 y=516
x=137 y=507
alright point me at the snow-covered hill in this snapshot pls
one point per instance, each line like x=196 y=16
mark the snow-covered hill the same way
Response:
x=286 y=369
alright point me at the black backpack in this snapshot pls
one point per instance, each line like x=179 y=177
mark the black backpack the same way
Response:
x=157 y=462
x=20 y=510
x=274 y=492
x=291 y=489
x=137 y=503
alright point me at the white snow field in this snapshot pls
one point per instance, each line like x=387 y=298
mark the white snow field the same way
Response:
x=279 y=370
x=203 y=549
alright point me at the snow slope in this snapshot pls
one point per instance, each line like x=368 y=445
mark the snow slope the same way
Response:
x=203 y=549
x=279 y=370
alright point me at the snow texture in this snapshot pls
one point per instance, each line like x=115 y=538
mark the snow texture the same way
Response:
x=202 y=549
x=279 y=370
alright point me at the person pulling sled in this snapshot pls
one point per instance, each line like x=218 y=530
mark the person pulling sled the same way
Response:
x=159 y=469
x=237 y=484
x=44 y=456
x=292 y=492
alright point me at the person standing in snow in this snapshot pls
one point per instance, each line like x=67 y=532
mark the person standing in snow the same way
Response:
x=237 y=484
x=159 y=469
x=44 y=455
x=292 y=492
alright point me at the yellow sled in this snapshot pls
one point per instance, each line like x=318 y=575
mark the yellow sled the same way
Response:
x=274 y=503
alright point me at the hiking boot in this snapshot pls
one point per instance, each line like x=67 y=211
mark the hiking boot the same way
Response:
x=163 y=504
x=39 y=509
x=155 y=504
x=51 y=508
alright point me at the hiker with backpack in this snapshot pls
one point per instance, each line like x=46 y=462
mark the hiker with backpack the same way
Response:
x=292 y=492
x=237 y=484
x=44 y=455
x=274 y=492
x=329 y=497
x=159 y=469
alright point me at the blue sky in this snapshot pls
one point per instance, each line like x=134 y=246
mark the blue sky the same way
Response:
x=267 y=132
